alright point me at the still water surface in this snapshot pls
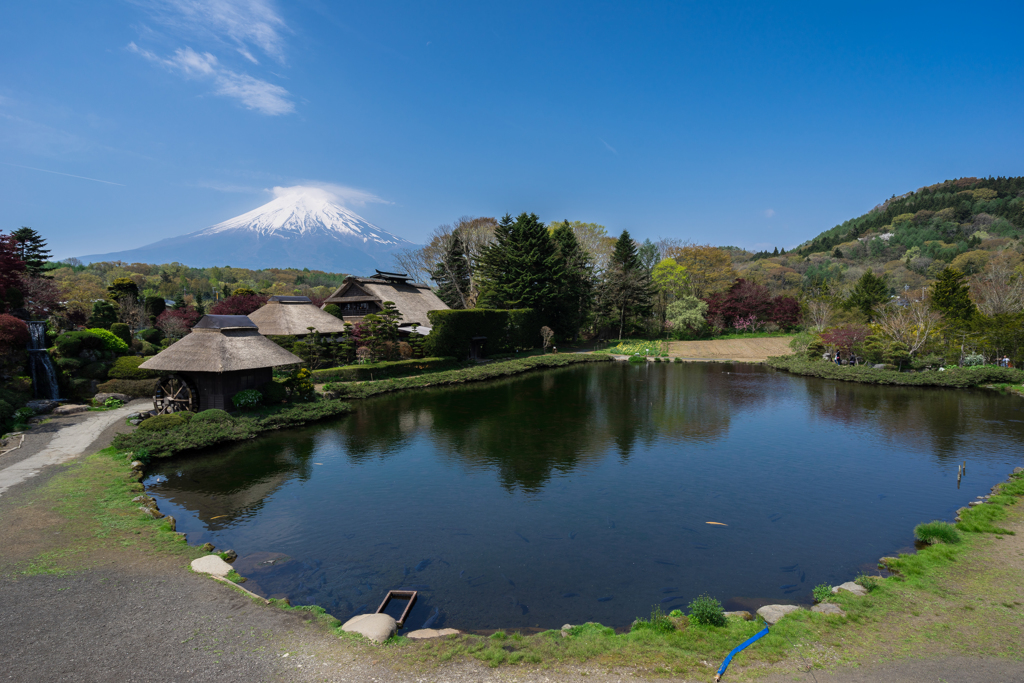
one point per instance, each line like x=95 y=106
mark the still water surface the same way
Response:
x=583 y=494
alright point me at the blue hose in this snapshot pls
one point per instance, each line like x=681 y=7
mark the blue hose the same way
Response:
x=742 y=646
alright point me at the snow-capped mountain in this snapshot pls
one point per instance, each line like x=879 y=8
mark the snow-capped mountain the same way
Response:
x=301 y=228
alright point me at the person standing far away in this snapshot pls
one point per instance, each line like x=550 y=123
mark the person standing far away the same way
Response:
x=839 y=360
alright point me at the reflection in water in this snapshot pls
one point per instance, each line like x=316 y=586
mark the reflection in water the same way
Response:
x=584 y=493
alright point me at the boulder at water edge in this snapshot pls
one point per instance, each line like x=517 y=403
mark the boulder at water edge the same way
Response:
x=772 y=613
x=376 y=627
x=211 y=564
x=851 y=587
x=425 y=633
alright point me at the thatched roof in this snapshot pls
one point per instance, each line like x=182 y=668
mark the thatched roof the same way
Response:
x=294 y=315
x=221 y=343
x=412 y=299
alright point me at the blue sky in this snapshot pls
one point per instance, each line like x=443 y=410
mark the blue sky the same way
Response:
x=125 y=122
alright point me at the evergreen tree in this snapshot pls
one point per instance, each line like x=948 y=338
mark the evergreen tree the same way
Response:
x=32 y=250
x=122 y=287
x=576 y=291
x=520 y=269
x=628 y=291
x=452 y=273
x=869 y=291
x=951 y=296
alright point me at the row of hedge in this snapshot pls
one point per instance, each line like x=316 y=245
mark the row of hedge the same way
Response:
x=452 y=331
x=184 y=434
x=954 y=377
x=371 y=371
x=461 y=376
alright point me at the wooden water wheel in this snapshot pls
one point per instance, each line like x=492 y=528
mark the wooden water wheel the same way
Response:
x=174 y=394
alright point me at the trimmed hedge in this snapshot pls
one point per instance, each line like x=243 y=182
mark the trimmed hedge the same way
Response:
x=202 y=433
x=151 y=335
x=122 y=332
x=506 y=330
x=958 y=378
x=463 y=375
x=127 y=367
x=111 y=342
x=136 y=388
x=213 y=415
x=161 y=423
x=369 y=371
x=70 y=344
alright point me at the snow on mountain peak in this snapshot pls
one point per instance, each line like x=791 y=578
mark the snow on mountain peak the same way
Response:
x=303 y=211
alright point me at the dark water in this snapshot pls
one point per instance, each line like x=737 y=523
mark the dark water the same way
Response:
x=583 y=494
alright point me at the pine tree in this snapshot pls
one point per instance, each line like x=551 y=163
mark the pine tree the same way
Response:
x=576 y=291
x=32 y=250
x=520 y=270
x=951 y=296
x=628 y=291
x=452 y=273
x=869 y=291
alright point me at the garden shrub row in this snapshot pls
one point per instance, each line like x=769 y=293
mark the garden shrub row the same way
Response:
x=214 y=429
x=953 y=377
x=370 y=371
x=452 y=331
x=462 y=375
x=135 y=388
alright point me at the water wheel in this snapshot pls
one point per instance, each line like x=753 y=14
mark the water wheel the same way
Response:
x=174 y=394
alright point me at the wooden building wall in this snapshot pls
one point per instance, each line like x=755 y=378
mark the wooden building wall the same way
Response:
x=217 y=388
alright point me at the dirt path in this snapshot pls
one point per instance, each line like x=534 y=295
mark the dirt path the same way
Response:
x=745 y=350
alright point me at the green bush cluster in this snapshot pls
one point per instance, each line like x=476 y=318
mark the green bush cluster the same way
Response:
x=136 y=388
x=822 y=592
x=659 y=622
x=706 y=611
x=959 y=378
x=506 y=330
x=212 y=415
x=151 y=335
x=70 y=344
x=247 y=399
x=127 y=367
x=160 y=423
x=111 y=342
x=934 y=532
x=122 y=332
x=370 y=371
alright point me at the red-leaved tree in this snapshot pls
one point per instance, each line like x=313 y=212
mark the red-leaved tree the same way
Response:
x=14 y=334
x=846 y=339
x=240 y=304
x=42 y=296
x=747 y=306
x=11 y=267
x=178 y=323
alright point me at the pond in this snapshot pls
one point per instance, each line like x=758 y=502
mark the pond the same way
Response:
x=586 y=493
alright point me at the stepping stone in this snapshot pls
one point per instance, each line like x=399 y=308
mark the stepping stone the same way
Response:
x=70 y=410
x=376 y=627
x=829 y=608
x=211 y=564
x=772 y=613
x=425 y=633
x=850 y=587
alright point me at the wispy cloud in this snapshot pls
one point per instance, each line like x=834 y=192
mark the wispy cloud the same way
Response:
x=610 y=148
x=246 y=24
x=768 y=213
x=69 y=175
x=254 y=93
x=331 y=191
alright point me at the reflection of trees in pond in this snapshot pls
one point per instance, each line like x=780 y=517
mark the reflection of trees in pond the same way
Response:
x=235 y=483
x=943 y=422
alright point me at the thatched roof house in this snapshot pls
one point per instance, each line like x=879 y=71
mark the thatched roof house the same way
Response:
x=222 y=355
x=294 y=315
x=360 y=296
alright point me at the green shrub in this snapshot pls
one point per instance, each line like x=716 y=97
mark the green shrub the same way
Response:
x=68 y=365
x=973 y=359
x=707 y=611
x=506 y=330
x=936 y=531
x=136 y=388
x=334 y=310
x=70 y=344
x=94 y=371
x=677 y=359
x=247 y=398
x=300 y=385
x=637 y=359
x=161 y=423
x=675 y=614
x=659 y=623
x=212 y=415
x=122 y=332
x=113 y=403
x=151 y=335
x=822 y=592
x=274 y=393
x=111 y=342
x=127 y=367
x=148 y=349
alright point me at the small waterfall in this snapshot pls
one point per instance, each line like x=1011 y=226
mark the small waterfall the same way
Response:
x=44 y=375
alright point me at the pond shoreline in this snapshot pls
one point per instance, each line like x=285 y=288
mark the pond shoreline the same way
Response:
x=950 y=378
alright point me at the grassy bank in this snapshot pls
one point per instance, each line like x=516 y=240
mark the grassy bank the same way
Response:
x=477 y=373
x=953 y=377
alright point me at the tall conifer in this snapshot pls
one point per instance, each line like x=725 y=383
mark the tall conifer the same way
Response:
x=32 y=250
x=576 y=291
x=520 y=269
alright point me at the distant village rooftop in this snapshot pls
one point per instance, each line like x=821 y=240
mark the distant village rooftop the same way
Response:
x=294 y=315
x=360 y=296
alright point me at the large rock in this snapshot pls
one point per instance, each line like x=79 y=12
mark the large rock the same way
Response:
x=100 y=399
x=70 y=410
x=425 y=633
x=772 y=613
x=829 y=608
x=376 y=627
x=1018 y=470
x=851 y=587
x=211 y=564
x=42 y=405
x=742 y=614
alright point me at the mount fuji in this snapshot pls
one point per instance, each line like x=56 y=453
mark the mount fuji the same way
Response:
x=301 y=228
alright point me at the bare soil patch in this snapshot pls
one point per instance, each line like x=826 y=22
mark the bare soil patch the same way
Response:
x=754 y=350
